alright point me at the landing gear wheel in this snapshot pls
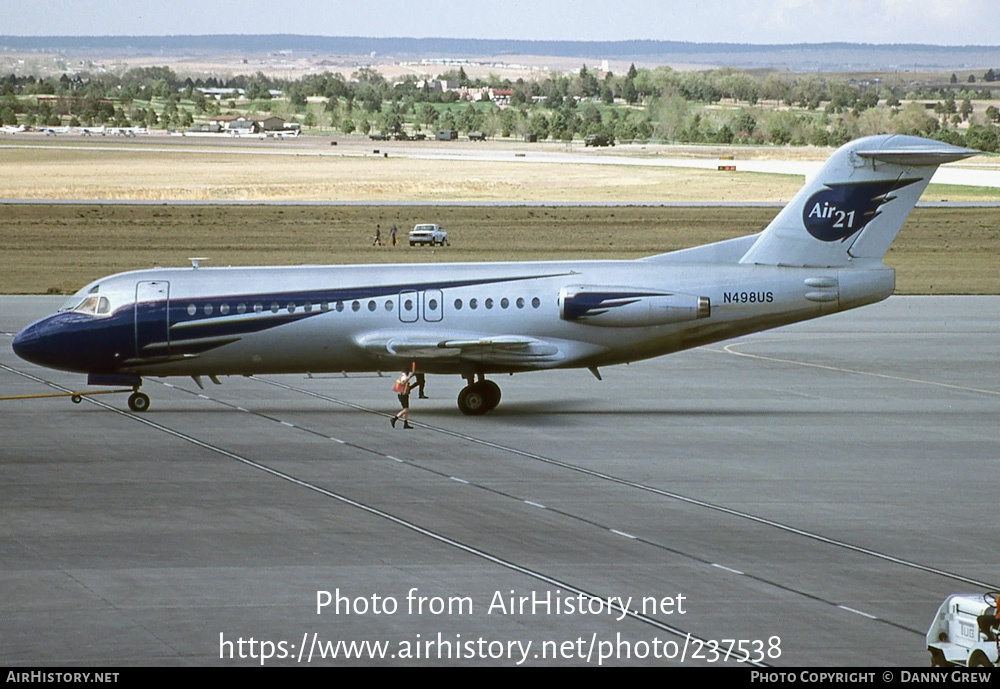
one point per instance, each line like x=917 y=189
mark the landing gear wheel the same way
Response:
x=491 y=391
x=138 y=401
x=471 y=401
x=478 y=398
x=76 y=399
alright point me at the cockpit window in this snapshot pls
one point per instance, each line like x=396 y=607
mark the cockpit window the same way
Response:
x=94 y=305
x=91 y=304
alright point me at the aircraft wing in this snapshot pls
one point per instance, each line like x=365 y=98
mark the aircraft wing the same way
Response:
x=492 y=349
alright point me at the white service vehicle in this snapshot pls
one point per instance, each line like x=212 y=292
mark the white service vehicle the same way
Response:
x=964 y=631
x=428 y=233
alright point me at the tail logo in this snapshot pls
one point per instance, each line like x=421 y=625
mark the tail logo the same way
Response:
x=842 y=210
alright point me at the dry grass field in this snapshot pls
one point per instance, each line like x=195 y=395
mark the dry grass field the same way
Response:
x=310 y=169
x=59 y=247
x=263 y=171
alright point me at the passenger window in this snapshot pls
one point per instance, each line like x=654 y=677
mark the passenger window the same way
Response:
x=224 y=309
x=504 y=303
x=473 y=304
x=340 y=306
x=291 y=307
x=355 y=306
x=388 y=305
x=372 y=305
x=274 y=307
x=432 y=304
x=307 y=307
x=489 y=303
x=458 y=304
x=535 y=302
x=208 y=309
x=241 y=309
x=192 y=309
x=520 y=303
x=258 y=308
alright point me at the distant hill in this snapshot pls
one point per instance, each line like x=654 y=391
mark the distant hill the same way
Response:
x=797 y=57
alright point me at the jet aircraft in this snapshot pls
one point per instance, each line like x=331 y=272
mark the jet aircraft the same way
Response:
x=821 y=254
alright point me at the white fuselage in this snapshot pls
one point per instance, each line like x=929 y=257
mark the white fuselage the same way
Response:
x=344 y=318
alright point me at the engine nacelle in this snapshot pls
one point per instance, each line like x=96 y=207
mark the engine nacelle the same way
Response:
x=629 y=307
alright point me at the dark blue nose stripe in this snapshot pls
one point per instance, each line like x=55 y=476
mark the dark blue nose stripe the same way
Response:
x=74 y=342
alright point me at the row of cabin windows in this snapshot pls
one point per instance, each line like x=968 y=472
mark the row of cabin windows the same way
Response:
x=504 y=303
x=308 y=307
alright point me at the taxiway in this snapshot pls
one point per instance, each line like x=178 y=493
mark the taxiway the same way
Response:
x=812 y=493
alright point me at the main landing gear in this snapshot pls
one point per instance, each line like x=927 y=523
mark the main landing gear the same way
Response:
x=478 y=397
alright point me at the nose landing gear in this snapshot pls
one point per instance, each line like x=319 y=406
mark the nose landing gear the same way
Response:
x=138 y=401
x=478 y=397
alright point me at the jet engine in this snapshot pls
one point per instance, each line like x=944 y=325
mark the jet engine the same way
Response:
x=629 y=307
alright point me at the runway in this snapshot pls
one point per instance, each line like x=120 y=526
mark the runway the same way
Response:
x=802 y=497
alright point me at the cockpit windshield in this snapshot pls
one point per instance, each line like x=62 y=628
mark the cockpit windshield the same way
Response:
x=90 y=303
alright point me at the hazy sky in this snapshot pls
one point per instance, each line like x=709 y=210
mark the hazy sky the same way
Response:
x=943 y=22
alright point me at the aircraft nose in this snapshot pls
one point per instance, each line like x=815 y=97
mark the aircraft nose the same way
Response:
x=46 y=343
x=75 y=342
x=28 y=344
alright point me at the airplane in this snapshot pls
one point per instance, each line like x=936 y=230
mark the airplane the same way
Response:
x=821 y=254
x=11 y=129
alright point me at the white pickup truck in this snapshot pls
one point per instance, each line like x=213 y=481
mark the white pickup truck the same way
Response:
x=428 y=233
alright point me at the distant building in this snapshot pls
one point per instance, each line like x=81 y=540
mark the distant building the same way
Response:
x=219 y=93
x=501 y=96
x=238 y=124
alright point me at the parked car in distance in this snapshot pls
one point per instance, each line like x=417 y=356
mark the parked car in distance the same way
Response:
x=598 y=140
x=428 y=233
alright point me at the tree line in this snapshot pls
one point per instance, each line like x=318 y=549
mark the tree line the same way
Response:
x=724 y=106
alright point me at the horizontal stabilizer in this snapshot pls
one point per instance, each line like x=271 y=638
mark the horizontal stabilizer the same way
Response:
x=918 y=155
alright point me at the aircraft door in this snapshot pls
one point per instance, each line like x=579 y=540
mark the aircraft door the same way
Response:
x=152 y=326
x=409 y=305
x=433 y=305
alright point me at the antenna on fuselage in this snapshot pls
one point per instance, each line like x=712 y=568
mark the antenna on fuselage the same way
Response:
x=196 y=262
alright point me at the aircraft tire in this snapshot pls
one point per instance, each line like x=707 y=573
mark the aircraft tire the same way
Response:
x=492 y=393
x=479 y=398
x=472 y=401
x=138 y=401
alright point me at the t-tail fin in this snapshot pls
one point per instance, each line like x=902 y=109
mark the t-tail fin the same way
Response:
x=849 y=213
